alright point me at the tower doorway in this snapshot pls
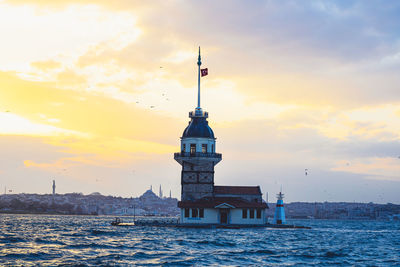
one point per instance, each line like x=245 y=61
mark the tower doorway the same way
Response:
x=223 y=216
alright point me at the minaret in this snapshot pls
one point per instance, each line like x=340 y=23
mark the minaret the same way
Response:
x=170 y=194
x=279 y=217
x=54 y=187
x=160 y=193
x=197 y=155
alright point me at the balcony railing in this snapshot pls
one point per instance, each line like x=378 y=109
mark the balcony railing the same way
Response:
x=198 y=113
x=198 y=154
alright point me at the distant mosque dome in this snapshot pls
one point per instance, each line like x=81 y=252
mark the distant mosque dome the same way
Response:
x=149 y=194
x=198 y=127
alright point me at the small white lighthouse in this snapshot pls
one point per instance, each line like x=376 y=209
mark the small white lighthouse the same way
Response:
x=279 y=210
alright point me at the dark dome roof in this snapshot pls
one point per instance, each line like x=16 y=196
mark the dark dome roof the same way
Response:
x=198 y=127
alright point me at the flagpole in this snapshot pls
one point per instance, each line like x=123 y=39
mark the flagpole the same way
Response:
x=198 y=83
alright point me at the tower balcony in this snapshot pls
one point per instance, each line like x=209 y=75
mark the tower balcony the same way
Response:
x=197 y=157
x=198 y=113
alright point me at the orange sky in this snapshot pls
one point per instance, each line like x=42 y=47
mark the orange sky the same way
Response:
x=289 y=87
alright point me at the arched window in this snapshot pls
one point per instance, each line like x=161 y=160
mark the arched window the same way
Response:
x=192 y=148
x=244 y=213
x=194 y=213
x=251 y=214
x=187 y=212
x=204 y=148
x=258 y=213
x=201 y=213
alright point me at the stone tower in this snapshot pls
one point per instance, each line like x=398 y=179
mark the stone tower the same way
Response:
x=54 y=187
x=197 y=155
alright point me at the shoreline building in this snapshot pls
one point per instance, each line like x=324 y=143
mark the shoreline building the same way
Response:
x=201 y=201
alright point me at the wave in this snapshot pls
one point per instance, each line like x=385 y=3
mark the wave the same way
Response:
x=12 y=239
x=74 y=240
x=333 y=254
x=45 y=241
x=217 y=243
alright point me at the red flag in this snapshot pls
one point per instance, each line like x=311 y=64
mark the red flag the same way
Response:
x=204 y=72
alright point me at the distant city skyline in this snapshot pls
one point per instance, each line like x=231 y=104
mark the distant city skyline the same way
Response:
x=95 y=95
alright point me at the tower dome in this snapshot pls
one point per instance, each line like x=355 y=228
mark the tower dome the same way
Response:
x=198 y=127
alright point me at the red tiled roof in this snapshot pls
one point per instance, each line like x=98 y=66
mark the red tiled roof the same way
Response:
x=213 y=202
x=237 y=190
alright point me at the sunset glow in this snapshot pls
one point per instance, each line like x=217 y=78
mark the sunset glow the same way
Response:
x=96 y=94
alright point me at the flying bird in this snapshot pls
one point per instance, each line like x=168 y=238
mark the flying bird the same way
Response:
x=151 y=106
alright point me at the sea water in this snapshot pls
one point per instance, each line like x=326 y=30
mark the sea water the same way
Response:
x=51 y=240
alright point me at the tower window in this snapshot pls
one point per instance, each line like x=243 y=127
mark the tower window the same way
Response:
x=186 y=213
x=192 y=148
x=212 y=148
x=183 y=147
x=194 y=213
x=244 y=213
x=251 y=213
x=258 y=213
x=204 y=148
x=201 y=213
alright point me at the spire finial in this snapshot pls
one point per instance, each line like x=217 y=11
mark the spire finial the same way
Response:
x=198 y=89
x=199 y=58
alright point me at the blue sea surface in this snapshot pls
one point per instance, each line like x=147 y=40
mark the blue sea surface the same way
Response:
x=46 y=240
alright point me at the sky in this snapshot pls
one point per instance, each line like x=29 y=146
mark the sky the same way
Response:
x=95 y=94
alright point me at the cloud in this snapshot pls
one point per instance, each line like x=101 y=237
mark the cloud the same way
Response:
x=29 y=164
x=330 y=59
x=69 y=78
x=59 y=35
x=290 y=86
x=46 y=65
x=13 y=124
x=373 y=168
x=86 y=112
